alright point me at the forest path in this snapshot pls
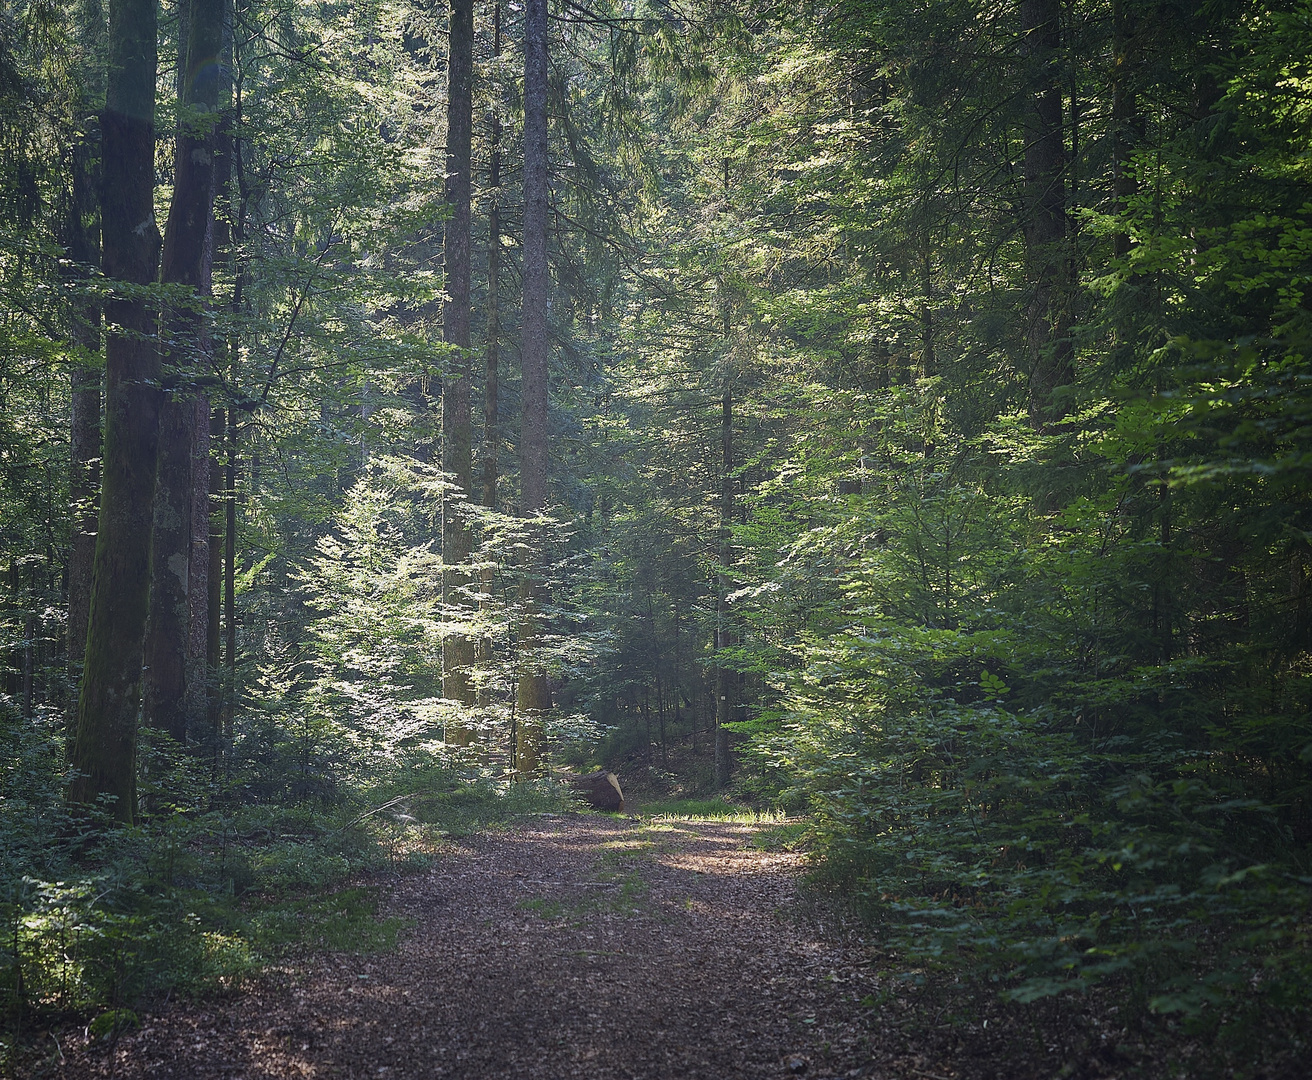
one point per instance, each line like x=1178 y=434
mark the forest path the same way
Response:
x=571 y=946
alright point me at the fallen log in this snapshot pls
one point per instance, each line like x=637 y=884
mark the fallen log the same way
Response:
x=600 y=790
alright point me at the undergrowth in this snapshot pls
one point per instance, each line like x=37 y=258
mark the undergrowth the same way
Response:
x=99 y=920
x=706 y=810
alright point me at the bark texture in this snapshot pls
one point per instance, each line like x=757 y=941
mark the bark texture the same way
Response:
x=104 y=747
x=163 y=703
x=534 y=691
x=174 y=690
x=457 y=421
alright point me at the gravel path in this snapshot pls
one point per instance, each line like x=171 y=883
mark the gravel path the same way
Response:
x=574 y=946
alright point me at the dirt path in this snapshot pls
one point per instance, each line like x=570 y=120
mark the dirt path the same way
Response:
x=575 y=946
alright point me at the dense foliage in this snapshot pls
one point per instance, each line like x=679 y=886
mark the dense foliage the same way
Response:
x=930 y=408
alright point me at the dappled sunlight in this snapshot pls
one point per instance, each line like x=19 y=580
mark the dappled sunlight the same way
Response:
x=589 y=944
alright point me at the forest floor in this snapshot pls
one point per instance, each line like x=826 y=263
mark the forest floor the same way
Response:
x=579 y=945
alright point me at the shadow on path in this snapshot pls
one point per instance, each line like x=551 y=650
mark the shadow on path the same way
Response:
x=575 y=946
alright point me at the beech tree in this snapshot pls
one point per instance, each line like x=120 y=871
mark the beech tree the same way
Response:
x=178 y=627
x=104 y=749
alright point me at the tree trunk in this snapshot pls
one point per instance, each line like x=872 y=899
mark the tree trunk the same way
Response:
x=1049 y=346
x=84 y=429
x=226 y=232
x=491 y=388
x=214 y=606
x=29 y=655
x=180 y=557
x=646 y=720
x=457 y=422
x=105 y=746
x=534 y=692
x=230 y=579
x=1127 y=123
x=725 y=678
x=237 y=223
x=534 y=350
x=660 y=703
x=163 y=705
x=199 y=577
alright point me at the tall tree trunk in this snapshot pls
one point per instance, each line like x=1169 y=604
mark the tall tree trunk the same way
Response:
x=199 y=577
x=491 y=387
x=229 y=695
x=163 y=705
x=457 y=422
x=227 y=255
x=1127 y=122
x=105 y=746
x=180 y=556
x=726 y=682
x=1049 y=346
x=491 y=384
x=214 y=580
x=534 y=692
x=660 y=704
x=237 y=223
x=30 y=631
x=164 y=686
x=84 y=430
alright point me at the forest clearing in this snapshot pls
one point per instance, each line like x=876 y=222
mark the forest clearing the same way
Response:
x=878 y=432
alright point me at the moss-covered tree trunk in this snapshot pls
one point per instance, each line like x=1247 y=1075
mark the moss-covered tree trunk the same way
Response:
x=105 y=744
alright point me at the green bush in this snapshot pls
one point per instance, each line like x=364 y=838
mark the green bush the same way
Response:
x=101 y=919
x=1017 y=785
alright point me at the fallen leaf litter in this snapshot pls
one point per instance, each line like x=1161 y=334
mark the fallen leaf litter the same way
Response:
x=572 y=946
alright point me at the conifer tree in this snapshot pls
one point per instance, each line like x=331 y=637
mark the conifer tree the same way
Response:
x=534 y=694
x=457 y=420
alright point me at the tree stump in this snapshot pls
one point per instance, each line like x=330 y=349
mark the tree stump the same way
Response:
x=600 y=790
